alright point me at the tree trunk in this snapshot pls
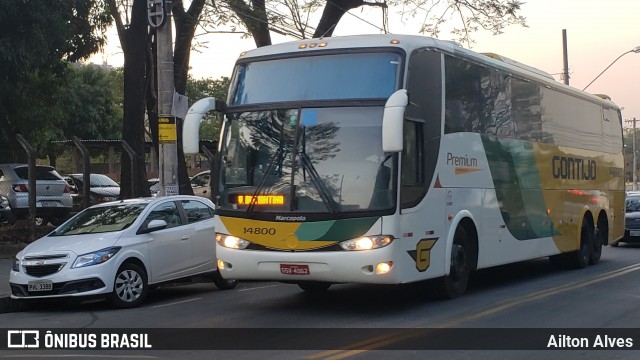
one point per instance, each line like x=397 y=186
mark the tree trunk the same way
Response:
x=135 y=46
x=331 y=15
x=186 y=23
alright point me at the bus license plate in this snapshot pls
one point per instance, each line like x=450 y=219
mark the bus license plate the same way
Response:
x=40 y=285
x=294 y=269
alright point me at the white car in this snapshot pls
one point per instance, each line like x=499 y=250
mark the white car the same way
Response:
x=119 y=249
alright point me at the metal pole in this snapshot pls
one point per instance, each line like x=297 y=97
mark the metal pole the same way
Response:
x=565 y=57
x=167 y=130
x=635 y=161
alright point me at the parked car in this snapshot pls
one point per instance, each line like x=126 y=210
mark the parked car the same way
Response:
x=119 y=249
x=6 y=215
x=632 y=219
x=53 y=197
x=154 y=186
x=201 y=184
x=101 y=189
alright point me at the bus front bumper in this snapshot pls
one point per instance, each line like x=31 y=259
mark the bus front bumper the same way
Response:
x=324 y=266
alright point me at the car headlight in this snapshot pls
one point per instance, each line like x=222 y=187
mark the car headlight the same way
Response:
x=367 y=242
x=96 y=257
x=16 y=265
x=231 y=242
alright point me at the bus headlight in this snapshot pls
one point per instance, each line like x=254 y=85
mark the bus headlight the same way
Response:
x=231 y=242
x=367 y=242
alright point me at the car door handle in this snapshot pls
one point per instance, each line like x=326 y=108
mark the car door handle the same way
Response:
x=184 y=237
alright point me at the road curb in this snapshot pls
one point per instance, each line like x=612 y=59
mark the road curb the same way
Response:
x=9 y=250
x=7 y=305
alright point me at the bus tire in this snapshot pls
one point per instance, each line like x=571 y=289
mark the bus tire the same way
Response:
x=222 y=283
x=455 y=284
x=595 y=252
x=579 y=259
x=314 y=287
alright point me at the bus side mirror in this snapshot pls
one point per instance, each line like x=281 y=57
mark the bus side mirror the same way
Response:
x=191 y=126
x=392 y=121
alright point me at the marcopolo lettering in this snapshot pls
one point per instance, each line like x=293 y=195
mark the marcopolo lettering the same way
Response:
x=570 y=168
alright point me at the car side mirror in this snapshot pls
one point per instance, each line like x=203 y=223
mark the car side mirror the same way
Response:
x=154 y=225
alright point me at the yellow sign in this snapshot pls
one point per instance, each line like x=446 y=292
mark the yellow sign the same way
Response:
x=167 y=129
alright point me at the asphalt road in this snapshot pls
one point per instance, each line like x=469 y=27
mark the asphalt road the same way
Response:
x=529 y=295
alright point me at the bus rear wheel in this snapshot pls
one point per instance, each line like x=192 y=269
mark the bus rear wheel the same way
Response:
x=579 y=259
x=596 y=247
x=455 y=284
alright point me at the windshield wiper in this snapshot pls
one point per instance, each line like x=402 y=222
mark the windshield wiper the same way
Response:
x=263 y=179
x=324 y=193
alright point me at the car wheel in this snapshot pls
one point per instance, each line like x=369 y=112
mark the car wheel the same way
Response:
x=222 y=283
x=129 y=286
x=56 y=221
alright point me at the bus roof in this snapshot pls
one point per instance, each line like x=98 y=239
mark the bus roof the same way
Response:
x=411 y=42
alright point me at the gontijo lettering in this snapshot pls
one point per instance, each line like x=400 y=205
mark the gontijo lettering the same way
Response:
x=573 y=168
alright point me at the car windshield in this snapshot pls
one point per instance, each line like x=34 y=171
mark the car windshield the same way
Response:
x=633 y=204
x=101 y=219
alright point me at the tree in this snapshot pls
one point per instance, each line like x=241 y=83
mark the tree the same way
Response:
x=34 y=55
x=259 y=17
x=135 y=42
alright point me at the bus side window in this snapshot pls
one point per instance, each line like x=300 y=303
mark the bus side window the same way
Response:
x=412 y=174
x=454 y=117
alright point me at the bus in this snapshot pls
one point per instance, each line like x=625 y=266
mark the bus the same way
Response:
x=391 y=159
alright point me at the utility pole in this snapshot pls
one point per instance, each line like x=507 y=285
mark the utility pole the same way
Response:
x=565 y=57
x=634 y=175
x=159 y=16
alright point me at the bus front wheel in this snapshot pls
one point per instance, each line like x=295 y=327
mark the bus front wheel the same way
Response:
x=314 y=287
x=455 y=284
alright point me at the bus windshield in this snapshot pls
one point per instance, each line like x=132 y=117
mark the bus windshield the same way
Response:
x=325 y=160
x=326 y=77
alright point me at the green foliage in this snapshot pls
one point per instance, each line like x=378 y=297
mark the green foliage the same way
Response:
x=94 y=104
x=39 y=39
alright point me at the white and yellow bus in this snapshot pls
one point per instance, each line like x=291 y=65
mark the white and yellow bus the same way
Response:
x=389 y=159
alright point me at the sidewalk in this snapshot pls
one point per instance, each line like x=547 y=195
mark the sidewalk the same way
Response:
x=7 y=252
x=5 y=267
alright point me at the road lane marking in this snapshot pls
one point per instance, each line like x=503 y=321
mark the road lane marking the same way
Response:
x=257 y=288
x=413 y=332
x=176 y=303
x=81 y=356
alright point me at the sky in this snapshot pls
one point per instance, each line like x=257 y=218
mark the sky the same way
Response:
x=598 y=32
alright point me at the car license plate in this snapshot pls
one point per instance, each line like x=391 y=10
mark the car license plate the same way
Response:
x=294 y=269
x=47 y=204
x=634 y=233
x=40 y=285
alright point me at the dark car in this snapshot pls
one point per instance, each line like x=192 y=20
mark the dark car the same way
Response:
x=101 y=189
x=6 y=215
x=632 y=219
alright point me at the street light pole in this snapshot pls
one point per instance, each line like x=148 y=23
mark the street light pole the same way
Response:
x=634 y=176
x=634 y=50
